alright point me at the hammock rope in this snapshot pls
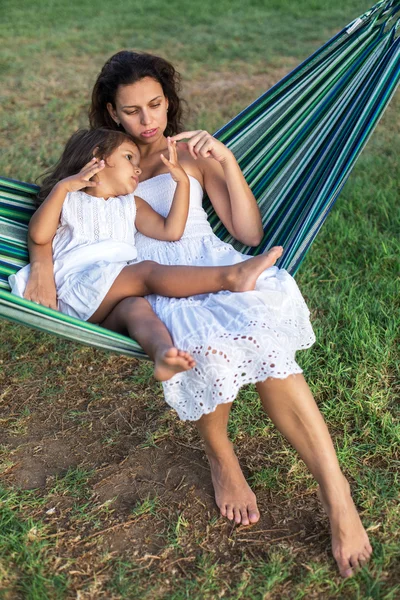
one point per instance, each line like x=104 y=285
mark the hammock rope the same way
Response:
x=296 y=146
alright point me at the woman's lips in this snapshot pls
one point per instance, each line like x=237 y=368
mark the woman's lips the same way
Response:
x=149 y=133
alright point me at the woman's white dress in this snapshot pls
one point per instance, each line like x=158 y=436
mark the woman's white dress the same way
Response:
x=235 y=338
x=93 y=243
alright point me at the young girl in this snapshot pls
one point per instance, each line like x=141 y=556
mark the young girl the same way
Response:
x=95 y=259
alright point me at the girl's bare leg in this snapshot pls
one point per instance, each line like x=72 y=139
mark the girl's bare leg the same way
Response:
x=233 y=495
x=148 y=277
x=136 y=317
x=291 y=406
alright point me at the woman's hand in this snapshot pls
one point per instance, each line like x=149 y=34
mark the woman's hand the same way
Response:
x=201 y=143
x=178 y=173
x=41 y=287
x=82 y=179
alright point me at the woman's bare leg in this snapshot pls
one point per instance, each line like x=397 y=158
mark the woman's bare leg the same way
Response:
x=233 y=495
x=291 y=406
x=136 y=317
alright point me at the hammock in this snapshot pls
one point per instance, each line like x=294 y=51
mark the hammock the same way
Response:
x=296 y=146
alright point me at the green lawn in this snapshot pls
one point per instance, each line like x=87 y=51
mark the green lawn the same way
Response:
x=105 y=493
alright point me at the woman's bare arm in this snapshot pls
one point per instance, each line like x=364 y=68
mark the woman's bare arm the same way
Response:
x=233 y=201
x=226 y=186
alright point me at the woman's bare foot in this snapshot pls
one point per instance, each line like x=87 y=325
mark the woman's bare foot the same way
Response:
x=243 y=276
x=233 y=495
x=350 y=544
x=169 y=361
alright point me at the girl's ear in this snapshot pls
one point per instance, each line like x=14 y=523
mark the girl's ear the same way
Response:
x=97 y=154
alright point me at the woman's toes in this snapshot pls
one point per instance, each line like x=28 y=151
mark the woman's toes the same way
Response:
x=253 y=512
x=363 y=559
x=346 y=573
x=354 y=562
x=229 y=512
x=245 y=516
x=238 y=515
x=223 y=511
x=344 y=567
x=346 y=570
x=254 y=515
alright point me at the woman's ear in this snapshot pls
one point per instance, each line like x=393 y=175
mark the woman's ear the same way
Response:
x=112 y=113
x=95 y=152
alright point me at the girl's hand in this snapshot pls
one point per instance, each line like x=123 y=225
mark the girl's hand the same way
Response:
x=178 y=173
x=83 y=178
x=201 y=143
x=41 y=288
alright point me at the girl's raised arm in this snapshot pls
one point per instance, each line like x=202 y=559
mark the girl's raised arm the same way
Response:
x=45 y=220
x=171 y=228
x=226 y=186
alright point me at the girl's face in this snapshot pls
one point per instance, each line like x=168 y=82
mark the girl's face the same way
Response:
x=120 y=175
x=141 y=108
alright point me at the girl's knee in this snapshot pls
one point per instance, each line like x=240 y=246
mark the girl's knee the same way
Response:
x=126 y=311
x=132 y=304
x=149 y=265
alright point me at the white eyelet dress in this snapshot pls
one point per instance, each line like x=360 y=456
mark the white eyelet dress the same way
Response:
x=93 y=243
x=235 y=338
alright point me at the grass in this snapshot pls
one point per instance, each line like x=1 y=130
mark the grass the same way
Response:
x=106 y=494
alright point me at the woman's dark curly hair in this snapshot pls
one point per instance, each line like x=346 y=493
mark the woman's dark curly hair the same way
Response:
x=81 y=147
x=125 y=68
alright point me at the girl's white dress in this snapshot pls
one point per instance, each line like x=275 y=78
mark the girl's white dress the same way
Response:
x=235 y=338
x=93 y=243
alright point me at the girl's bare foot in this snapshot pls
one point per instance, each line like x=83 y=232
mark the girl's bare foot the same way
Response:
x=350 y=544
x=233 y=495
x=243 y=276
x=169 y=361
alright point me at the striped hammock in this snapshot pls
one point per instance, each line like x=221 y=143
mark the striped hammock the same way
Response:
x=296 y=146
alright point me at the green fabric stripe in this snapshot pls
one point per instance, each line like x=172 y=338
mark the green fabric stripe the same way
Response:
x=28 y=313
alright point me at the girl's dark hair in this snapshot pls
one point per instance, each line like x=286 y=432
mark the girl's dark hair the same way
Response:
x=125 y=68
x=78 y=151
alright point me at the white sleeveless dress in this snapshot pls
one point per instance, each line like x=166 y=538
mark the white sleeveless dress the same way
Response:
x=93 y=243
x=235 y=338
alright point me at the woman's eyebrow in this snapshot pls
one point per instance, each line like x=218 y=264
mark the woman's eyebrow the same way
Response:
x=135 y=106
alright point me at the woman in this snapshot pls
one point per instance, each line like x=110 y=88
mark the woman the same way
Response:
x=138 y=94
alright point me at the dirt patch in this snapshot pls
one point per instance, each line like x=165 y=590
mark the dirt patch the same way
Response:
x=35 y=463
x=223 y=82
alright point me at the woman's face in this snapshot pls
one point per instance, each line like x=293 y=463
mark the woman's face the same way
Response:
x=141 y=108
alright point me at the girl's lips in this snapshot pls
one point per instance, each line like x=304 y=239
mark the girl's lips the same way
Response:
x=149 y=133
